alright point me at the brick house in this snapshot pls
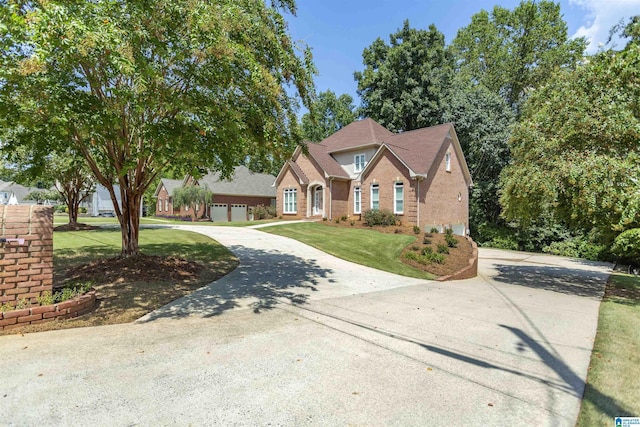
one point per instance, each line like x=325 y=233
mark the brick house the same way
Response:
x=164 y=205
x=233 y=200
x=420 y=175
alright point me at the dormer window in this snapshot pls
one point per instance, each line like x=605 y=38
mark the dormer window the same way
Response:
x=447 y=161
x=359 y=162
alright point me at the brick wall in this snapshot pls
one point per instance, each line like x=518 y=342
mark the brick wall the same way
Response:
x=26 y=271
x=386 y=172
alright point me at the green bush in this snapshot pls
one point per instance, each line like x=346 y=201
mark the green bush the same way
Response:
x=82 y=210
x=416 y=229
x=443 y=249
x=264 y=212
x=352 y=223
x=426 y=240
x=578 y=247
x=626 y=247
x=452 y=242
x=428 y=258
x=427 y=250
x=434 y=230
x=344 y=218
x=382 y=217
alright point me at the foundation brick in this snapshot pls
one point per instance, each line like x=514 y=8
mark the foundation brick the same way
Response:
x=30 y=318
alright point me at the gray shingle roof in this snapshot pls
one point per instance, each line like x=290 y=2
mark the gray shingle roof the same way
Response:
x=171 y=184
x=242 y=183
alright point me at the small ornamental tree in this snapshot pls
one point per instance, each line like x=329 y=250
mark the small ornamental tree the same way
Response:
x=192 y=196
x=139 y=87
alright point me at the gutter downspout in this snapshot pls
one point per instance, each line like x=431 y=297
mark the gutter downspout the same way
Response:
x=418 y=179
x=330 y=198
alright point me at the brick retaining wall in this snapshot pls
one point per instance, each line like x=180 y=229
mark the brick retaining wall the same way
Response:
x=46 y=313
x=26 y=270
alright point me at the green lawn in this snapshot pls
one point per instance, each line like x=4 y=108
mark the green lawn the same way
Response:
x=613 y=385
x=79 y=247
x=366 y=247
x=61 y=219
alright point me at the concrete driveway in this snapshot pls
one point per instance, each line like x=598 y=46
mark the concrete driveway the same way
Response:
x=297 y=337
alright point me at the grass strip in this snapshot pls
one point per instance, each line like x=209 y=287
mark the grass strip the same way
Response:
x=613 y=388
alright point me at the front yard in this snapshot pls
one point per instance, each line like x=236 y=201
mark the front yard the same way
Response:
x=175 y=263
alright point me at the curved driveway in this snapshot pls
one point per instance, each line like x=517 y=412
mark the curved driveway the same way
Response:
x=297 y=337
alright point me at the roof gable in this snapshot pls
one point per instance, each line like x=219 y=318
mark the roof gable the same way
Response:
x=328 y=164
x=169 y=185
x=419 y=149
x=361 y=133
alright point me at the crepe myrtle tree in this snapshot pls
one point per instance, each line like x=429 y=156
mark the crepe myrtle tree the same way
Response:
x=192 y=196
x=138 y=87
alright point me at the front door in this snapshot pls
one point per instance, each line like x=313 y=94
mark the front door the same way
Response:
x=317 y=201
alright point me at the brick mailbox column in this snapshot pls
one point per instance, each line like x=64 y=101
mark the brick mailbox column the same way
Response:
x=26 y=268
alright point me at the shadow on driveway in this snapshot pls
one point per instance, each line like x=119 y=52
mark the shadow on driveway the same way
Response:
x=565 y=280
x=263 y=278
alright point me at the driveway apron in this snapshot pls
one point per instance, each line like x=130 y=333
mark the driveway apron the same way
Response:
x=297 y=337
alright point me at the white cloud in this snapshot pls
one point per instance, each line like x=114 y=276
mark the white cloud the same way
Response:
x=600 y=16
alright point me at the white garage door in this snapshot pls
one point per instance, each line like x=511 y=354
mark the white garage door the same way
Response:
x=219 y=213
x=238 y=212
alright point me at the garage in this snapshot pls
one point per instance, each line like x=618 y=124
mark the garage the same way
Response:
x=219 y=212
x=238 y=213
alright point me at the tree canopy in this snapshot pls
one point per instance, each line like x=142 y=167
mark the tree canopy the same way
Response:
x=192 y=196
x=575 y=151
x=514 y=51
x=403 y=82
x=137 y=87
x=330 y=114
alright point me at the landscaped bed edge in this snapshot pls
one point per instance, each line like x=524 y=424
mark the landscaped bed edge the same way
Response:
x=46 y=313
x=467 y=272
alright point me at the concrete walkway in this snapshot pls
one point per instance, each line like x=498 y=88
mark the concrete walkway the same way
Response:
x=297 y=337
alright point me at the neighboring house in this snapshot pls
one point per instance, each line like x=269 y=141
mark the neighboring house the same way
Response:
x=233 y=199
x=100 y=203
x=420 y=175
x=164 y=193
x=12 y=193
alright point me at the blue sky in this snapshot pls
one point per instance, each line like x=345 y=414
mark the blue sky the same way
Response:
x=339 y=30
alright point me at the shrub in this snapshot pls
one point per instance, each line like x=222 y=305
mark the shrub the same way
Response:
x=324 y=219
x=426 y=241
x=427 y=250
x=382 y=217
x=337 y=220
x=352 y=223
x=412 y=255
x=415 y=248
x=452 y=242
x=434 y=230
x=344 y=218
x=443 y=249
x=82 y=210
x=416 y=229
x=578 y=247
x=436 y=258
x=264 y=212
x=397 y=231
x=626 y=247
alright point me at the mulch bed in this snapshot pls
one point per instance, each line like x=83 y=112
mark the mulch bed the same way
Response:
x=141 y=268
x=75 y=227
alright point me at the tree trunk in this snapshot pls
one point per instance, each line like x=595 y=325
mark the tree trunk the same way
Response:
x=130 y=223
x=73 y=212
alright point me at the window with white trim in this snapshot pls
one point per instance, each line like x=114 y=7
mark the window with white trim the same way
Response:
x=159 y=205
x=166 y=205
x=447 y=161
x=375 y=196
x=290 y=201
x=359 y=162
x=357 y=200
x=398 y=198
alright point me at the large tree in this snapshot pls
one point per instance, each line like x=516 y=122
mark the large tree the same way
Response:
x=512 y=52
x=483 y=123
x=575 y=152
x=403 y=82
x=330 y=114
x=137 y=86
